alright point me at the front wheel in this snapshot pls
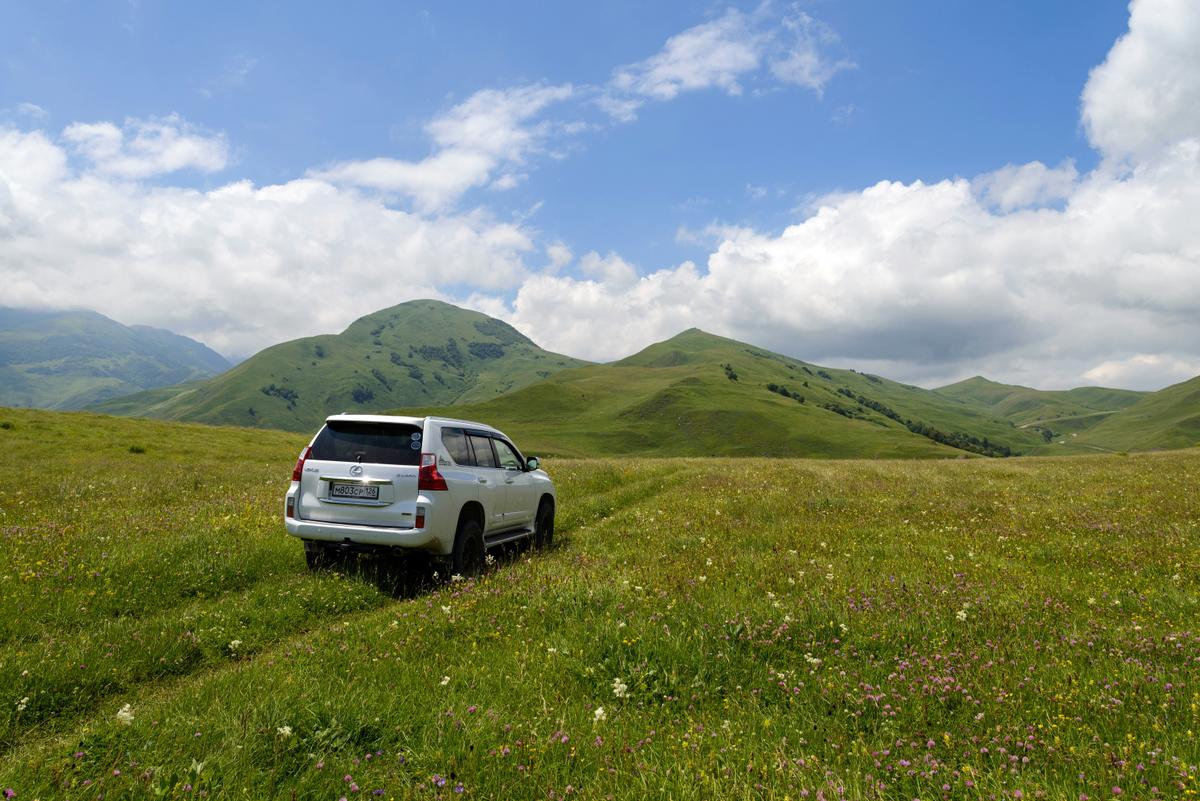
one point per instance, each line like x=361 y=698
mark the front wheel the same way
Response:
x=543 y=525
x=467 y=559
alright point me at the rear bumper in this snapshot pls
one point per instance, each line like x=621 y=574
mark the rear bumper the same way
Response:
x=422 y=539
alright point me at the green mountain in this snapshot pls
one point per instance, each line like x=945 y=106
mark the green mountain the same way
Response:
x=1169 y=418
x=69 y=359
x=1051 y=412
x=700 y=394
x=420 y=352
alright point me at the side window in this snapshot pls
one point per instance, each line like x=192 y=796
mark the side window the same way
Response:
x=508 y=459
x=455 y=440
x=483 y=451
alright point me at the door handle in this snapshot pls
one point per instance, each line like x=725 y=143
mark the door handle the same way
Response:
x=508 y=481
x=483 y=481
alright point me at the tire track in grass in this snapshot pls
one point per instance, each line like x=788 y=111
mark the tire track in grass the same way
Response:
x=67 y=679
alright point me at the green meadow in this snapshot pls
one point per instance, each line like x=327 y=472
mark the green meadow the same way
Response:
x=703 y=628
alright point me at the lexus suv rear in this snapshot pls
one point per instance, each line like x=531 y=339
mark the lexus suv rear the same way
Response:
x=449 y=488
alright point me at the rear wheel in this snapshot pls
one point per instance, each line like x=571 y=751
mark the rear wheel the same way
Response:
x=467 y=559
x=543 y=524
x=317 y=556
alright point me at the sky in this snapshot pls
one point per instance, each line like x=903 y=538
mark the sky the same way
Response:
x=925 y=190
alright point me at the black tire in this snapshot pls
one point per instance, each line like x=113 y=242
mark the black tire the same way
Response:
x=543 y=525
x=467 y=559
x=317 y=556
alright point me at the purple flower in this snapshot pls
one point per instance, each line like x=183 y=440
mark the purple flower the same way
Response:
x=458 y=788
x=10 y=793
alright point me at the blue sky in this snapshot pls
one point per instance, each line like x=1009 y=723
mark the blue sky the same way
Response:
x=694 y=165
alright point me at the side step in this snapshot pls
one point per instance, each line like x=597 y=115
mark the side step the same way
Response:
x=506 y=536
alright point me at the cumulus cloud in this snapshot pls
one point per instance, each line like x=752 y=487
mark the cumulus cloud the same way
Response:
x=237 y=267
x=1146 y=94
x=143 y=148
x=489 y=131
x=793 y=47
x=1027 y=273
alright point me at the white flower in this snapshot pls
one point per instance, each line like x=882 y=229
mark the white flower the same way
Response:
x=620 y=688
x=446 y=609
x=961 y=614
x=708 y=562
x=702 y=579
x=22 y=704
x=456 y=577
x=1091 y=601
x=234 y=645
x=829 y=577
x=284 y=731
x=125 y=715
x=599 y=715
x=445 y=680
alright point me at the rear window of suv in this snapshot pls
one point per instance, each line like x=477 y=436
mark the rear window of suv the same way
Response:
x=371 y=443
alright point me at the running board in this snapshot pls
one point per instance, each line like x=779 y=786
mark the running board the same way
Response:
x=507 y=536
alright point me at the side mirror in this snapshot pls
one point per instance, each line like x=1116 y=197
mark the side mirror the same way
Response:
x=532 y=463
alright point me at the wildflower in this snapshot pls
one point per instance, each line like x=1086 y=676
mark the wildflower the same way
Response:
x=599 y=715
x=284 y=731
x=22 y=704
x=620 y=688
x=10 y=793
x=1117 y=790
x=961 y=614
x=702 y=579
x=488 y=560
x=829 y=577
x=234 y=645
x=456 y=577
x=125 y=715
x=445 y=680
x=1091 y=601
x=458 y=788
x=446 y=609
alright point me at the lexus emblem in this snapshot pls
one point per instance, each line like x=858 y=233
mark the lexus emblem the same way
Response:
x=356 y=469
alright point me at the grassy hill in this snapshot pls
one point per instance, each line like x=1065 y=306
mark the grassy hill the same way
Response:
x=699 y=394
x=1050 y=412
x=703 y=629
x=69 y=359
x=1169 y=418
x=420 y=352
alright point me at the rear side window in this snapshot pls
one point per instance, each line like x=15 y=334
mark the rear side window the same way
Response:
x=483 y=451
x=372 y=443
x=455 y=440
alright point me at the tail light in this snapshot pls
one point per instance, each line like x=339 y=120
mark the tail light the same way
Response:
x=299 y=468
x=429 y=478
x=420 y=522
x=291 y=506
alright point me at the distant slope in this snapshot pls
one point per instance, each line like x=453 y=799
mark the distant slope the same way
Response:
x=420 y=352
x=69 y=359
x=1169 y=418
x=700 y=394
x=1050 y=412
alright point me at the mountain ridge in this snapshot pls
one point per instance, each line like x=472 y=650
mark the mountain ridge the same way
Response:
x=70 y=359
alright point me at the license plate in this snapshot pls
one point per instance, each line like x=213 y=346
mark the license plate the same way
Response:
x=358 y=492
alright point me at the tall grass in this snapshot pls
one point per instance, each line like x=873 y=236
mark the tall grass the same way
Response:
x=703 y=628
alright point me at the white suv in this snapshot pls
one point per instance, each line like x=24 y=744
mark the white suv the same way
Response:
x=450 y=488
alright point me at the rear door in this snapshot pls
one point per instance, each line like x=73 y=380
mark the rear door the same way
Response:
x=362 y=473
x=518 y=485
x=490 y=478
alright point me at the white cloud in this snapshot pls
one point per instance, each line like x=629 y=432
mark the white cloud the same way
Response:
x=560 y=256
x=493 y=129
x=1144 y=371
x=1028 y=273
x=793 y=47
x=1145 y=97
x=239 y=267
x=32 y=110
x=1020 y=186
x=142 y=148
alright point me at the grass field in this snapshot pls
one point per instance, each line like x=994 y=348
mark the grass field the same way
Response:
x=704 y=628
